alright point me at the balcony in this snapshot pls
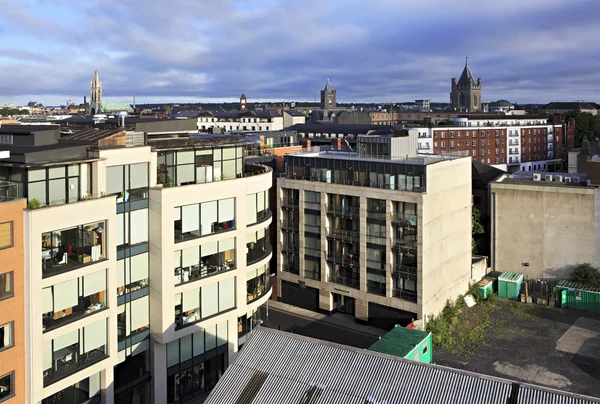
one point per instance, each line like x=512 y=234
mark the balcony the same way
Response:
x=513 y=151
x=350 y=211
x=87 y=305
x=290 y=249
x=289 y=226
x=404 y=294
x=258 y=287
x=291 y=268
x=65 y=250
x=343 y=234
x=343 y=280
x=378 y=215
x=405 y=220
x=9 y=191
x=258 y=252
x=208 y=266
x=345 y=260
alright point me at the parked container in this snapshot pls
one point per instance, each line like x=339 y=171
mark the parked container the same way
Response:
x=486 y=286
x=576 y=295
x=408 y=343
x=509 y=285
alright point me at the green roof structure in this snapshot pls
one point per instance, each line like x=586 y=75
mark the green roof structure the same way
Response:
x=406 y=343
x=116 y=107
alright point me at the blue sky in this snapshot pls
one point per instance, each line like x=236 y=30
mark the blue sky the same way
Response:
x=374 y=51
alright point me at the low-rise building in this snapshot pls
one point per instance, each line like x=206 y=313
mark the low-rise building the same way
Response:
x=578 y=106
x=543 y=224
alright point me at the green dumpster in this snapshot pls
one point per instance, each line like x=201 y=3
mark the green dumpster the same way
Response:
x=579 y=296
x=509 y=285
x=485 y=286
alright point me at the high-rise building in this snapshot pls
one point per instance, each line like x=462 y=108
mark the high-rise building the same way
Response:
x=145 y=265
x=466 y=94
x=380 y=233
x=95 y=106
x=328 y=96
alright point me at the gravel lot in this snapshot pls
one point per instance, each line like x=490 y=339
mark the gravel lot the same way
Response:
x=521 y=344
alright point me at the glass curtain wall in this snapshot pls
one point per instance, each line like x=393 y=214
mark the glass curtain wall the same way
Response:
x=404 y=223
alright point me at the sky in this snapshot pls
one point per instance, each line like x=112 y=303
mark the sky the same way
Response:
x=373 y=51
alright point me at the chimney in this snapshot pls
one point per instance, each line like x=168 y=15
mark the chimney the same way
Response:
x=84 y=100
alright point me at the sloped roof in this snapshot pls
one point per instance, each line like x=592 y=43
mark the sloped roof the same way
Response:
x=279 y=367
x=466 y=78
x=482 y=174
x=570 y=106
x=400 y=341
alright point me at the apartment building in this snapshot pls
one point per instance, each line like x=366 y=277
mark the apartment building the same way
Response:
x=12 y=310
x=544 y=224
x=511 y=143
x=381 y=234
x=129 y=314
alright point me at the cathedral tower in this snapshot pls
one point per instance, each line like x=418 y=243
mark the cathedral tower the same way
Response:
x=95 y=106
x=328 y=95
x=466 y=94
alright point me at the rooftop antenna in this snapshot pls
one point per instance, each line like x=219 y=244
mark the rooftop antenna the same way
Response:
x=466 y=60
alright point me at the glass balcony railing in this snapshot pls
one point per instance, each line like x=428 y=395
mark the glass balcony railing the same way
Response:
x=343 y=234
x=87 y=306
x=258 y=252
x=345 y=281
x=351 y=211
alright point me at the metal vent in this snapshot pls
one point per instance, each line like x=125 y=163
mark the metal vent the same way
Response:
x=311 y=395
x=252 y=388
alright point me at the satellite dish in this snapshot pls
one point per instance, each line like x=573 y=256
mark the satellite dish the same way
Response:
x=595 y=157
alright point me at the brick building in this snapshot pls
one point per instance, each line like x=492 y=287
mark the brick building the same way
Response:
x=511 y=143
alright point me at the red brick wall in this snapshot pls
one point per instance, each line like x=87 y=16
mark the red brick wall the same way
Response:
x=487 y=144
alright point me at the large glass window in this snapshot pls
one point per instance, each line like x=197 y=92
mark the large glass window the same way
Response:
x=132 y=274
x=197 y=166
x=71 y=300
x=133 y=320
x=201 y=219
x=312 y=200
x=194 y=305
x=57 y=185
x=258 y=245
x=197 y=262
x=7 y=386
x=128 y=182
x=196 y=362
x=258 y=282
x=63 y=250
x=257 y=207
x=6 y=285
x=6 y=235
x=79 y=393
x=132 y=228
x=73 y=351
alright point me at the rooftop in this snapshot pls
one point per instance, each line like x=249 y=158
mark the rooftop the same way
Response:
x=539 y=179
x=575 y=105
x=199 y=141
x=400 y=341
x=278 y=367
x=349 y=128
x=421 y=160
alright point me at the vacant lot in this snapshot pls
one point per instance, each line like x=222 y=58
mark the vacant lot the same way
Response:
x=521 y=341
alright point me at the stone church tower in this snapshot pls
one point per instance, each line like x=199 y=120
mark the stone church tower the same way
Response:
x=95 y=106
x=328 y=95
x=243 y=105
x=466 y=94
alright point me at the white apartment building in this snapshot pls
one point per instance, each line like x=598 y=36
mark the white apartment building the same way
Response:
x=240 y=121
x=381 y=237
x=150 y=262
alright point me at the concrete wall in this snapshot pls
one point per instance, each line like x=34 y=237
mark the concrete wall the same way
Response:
x=445 y=228
x=12 y=309
x=550 y=228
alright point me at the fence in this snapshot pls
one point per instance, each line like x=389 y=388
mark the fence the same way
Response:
x=541 y=291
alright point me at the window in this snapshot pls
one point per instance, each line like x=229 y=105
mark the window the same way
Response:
x=451 y=135
x=6 y=336
x=443 y=145
x=483 y=143
x=474 y=153
x=452 y=143
x=194 y=263
x=6 y=235
x=425 y=348
x=6 y=285
x=7 y=386
x=194 y=305
x=443 y=135
x=201 y=219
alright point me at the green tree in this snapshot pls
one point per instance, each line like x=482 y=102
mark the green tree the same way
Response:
x=477 y=229
x=588 y=274
x=586 y=124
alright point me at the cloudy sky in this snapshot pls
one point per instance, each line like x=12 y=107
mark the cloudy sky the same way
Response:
x=376 y=50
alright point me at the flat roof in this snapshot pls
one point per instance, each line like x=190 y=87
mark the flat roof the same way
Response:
x=421 y=160
x=203 y=140
x=526 y=178
x=400 y=341
x=280 y=367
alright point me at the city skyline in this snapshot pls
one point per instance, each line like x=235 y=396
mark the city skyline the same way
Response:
x=381 y=51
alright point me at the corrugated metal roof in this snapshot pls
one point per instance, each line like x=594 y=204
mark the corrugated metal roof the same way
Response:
x=399 y=341
x=299 y=367
x=577 y=285
x=508 y=276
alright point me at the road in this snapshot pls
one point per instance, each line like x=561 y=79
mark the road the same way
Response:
x=316 y=329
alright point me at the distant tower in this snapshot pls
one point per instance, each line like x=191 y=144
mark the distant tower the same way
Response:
x=328 y=97
x=95 y=95
x=243 y=105
x=466 y=95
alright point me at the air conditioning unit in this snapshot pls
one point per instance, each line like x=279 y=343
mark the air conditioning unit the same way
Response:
x=575 y=180
x=567 y=179
x=548 y=178
x=537 y=177
x=558 y=178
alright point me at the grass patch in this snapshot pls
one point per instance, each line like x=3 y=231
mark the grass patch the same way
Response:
x=458 y=329
x=523 y=311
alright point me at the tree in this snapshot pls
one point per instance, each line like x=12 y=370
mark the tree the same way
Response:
x=588 y=274
x=477 y=229
x=586 y=125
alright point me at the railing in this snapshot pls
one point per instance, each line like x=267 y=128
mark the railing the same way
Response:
x=342 y=280
x=289 y=248
x=375 y=239
x=289 y=226
x=404 y=220
x=513 y=152
x=315 y=275
x=257 y=289
x=291 y=268
x=312 y=205
x=376 y=215
x=375 y=288
x=400 y=269
x=35 y=204
x=196 y=272
x=84 y=308
x=405 y=294
x=344 y=234
x=258 y=253
x=289 y=203
x=9 y=191
x=369 y=184
x=344 y=260
x=70 y=360
x=513 y=135
x=351 y=211
x=312 y=252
